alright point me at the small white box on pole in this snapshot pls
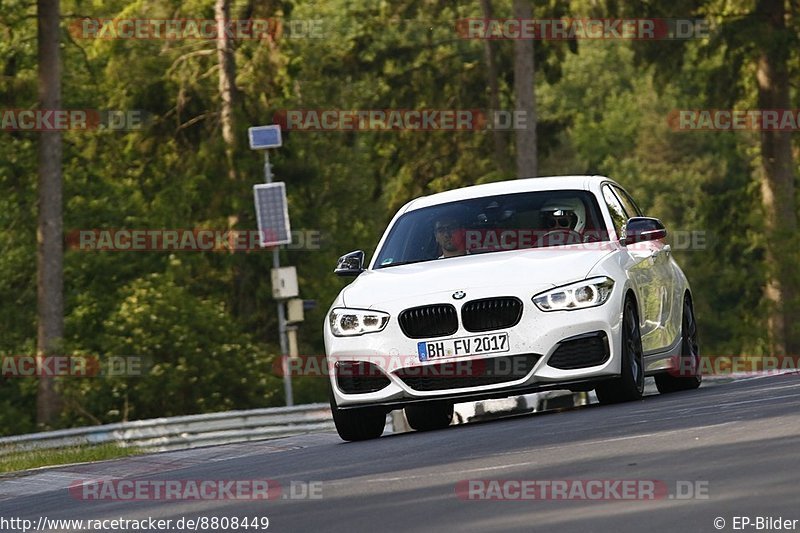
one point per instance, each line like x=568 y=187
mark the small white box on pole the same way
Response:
x=294 y=311
x=284 y=283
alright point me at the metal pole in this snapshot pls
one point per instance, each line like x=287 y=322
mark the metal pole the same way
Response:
x=276 y=263
x=267 y=168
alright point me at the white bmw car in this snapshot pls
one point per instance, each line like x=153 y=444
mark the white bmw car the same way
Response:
x=505 y=289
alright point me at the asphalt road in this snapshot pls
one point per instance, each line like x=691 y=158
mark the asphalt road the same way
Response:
x=736 y=445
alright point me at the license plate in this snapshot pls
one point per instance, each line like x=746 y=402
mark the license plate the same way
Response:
x=463 y=346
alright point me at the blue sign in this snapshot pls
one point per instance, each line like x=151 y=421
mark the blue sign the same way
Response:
x=262 y=137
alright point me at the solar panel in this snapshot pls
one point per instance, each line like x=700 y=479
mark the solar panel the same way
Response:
x=272 y=213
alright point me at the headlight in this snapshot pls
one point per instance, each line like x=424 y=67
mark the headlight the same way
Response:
x=349 y=322
x=588 y=293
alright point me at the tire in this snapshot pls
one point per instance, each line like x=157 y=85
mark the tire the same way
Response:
x=429 y=416
x=630 y=385
x=690 y=349
x=361 y=423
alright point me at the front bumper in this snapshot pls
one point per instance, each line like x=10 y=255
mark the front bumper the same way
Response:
x=537 y=335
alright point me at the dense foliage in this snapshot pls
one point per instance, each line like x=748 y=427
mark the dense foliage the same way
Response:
x=205 y=322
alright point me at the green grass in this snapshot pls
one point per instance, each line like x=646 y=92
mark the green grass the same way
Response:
x=13 y=461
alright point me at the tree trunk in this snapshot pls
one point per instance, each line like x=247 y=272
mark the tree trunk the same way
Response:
x=500 y=145
x=49 y=235
x=242 y=301
x=525 y=97
x=227 y=84
x=777 y=182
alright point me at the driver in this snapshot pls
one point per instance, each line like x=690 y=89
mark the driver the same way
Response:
x=450 y=236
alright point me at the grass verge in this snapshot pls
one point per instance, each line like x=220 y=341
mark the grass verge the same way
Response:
x=13 y=461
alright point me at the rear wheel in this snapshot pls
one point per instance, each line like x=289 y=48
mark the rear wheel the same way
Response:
x=429 y=416
x=630 y=385
x=361 y=423
x=690 y=357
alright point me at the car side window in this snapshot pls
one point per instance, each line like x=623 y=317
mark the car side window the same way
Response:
x=615 y=209
x=627 y=202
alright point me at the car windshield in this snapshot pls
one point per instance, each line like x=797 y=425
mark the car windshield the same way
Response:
x=492 y=224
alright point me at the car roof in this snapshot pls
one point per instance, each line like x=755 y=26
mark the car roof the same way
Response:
x=507 y=187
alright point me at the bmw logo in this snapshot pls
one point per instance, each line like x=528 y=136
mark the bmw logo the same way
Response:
x=459 y=295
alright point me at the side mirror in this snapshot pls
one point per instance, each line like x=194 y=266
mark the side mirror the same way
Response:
x=640 y=229
x=351 y=264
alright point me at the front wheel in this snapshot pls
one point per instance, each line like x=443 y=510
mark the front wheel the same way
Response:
x=361 y=423
x=630 y=385
x=690 y=357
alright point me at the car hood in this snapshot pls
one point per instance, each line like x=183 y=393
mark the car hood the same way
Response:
x=535 y=268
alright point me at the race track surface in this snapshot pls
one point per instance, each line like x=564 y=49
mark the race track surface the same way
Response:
x=723 y=451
